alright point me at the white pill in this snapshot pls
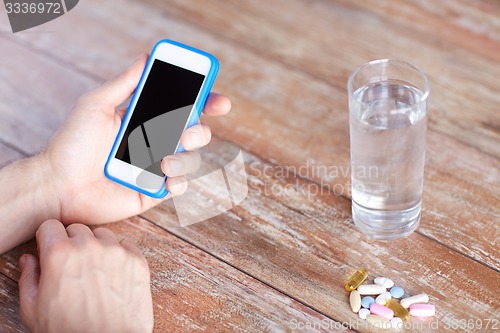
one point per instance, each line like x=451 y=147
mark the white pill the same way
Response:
x=421 y=298
x=396 y=322
x=363 y=313
x=371 y=289
x=355 y=301
x=381 y=299
x=378 y=322
x=387 y=295
x=388 y=283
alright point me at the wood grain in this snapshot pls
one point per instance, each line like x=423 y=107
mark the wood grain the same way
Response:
x=258 y=125
x=283 y=255
x=329 y=52
x=305 y=245
x=8 y=155
x=194 y=291
x=9 y=307
x=32 y=108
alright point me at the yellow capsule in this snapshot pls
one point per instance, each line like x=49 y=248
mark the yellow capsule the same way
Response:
x=398 y=309
x=356 y=279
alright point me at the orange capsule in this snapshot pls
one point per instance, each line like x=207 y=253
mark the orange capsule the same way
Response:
x=356 y=279
x=399 y=311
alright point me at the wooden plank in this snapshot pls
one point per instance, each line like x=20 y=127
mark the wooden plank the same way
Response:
x=258 y=122
x=8 y=155
x=317 y=37
x=9 y=309
x=35 y=97
x=193 y=291
x=268 y=245
x=305 y=244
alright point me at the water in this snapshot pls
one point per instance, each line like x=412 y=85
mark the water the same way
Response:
x=388 y=127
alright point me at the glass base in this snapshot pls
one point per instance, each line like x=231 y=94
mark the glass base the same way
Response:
x=384 y=224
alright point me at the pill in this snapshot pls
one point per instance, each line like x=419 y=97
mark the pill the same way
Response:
x=371 y=289
x=396 y=323
x=387 y=295
x=421 y=310
x=421 y=298
x=397 y=292
x=363 y=313
x=356 y=279
x=367 y=301
x=382 y=311
x=399 y=311
x=388 y=283
x=355 y=301
x=381 y=299
x=377 y=321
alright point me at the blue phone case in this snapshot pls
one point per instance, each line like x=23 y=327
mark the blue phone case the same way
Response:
x=195 y=115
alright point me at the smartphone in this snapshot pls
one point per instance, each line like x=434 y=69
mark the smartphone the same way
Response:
x=168 y=99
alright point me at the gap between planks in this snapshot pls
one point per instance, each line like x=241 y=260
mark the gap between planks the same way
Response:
x=245 y=272
x=274 y=58
x=269 y=56
x=70 y=66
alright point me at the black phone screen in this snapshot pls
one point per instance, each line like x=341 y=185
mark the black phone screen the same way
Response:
x=159 y=117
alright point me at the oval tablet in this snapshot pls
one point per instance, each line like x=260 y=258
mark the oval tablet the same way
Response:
x=381 y=299
x=382 y=311
x=421 y=298
x=355 y=301
x=387 y=283
x=422 y=310
x=367 y=301
x=371 y=289
x=378 y=321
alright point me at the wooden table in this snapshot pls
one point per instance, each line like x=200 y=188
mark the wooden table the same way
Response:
x=277 y=261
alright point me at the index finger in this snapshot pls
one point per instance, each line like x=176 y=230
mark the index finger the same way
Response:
x=50 y=232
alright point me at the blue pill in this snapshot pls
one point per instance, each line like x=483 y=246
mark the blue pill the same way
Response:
x=397 y=292
x=367 y=301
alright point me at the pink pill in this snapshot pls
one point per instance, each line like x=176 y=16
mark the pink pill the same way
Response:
x=382 y=311
x=422 y=310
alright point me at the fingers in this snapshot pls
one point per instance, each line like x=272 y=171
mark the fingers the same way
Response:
x=177 y=185
x=217 y=105
x=105 y=235
x=28 y=287
x=50 y=232
x=132 y=248
x=196 y=137
x=78 y=230
x=181 y=164
x=115 y=91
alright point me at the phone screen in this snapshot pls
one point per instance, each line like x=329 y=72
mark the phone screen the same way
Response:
x=159 y=117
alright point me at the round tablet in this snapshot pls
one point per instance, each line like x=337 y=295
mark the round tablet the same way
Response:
x=397 y=292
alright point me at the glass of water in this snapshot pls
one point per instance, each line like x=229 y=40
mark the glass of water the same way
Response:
x=388 y=121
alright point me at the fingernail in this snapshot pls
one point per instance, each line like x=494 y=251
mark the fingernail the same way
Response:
x=173 y=166
x=195 y=139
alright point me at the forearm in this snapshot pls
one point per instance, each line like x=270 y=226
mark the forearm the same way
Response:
x=27 y=199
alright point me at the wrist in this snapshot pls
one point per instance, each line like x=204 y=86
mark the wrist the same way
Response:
x=44 y=188
x=28 y=199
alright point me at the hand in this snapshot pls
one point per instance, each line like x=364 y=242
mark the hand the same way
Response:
x=77 y=153
x=84 y=282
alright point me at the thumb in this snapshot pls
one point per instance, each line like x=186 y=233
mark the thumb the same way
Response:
x=28 y=287
x=115 y=91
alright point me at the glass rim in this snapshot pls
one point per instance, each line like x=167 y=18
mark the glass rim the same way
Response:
x=425 y=94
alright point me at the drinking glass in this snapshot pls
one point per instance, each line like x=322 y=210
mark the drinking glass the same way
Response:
x=388 y=122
